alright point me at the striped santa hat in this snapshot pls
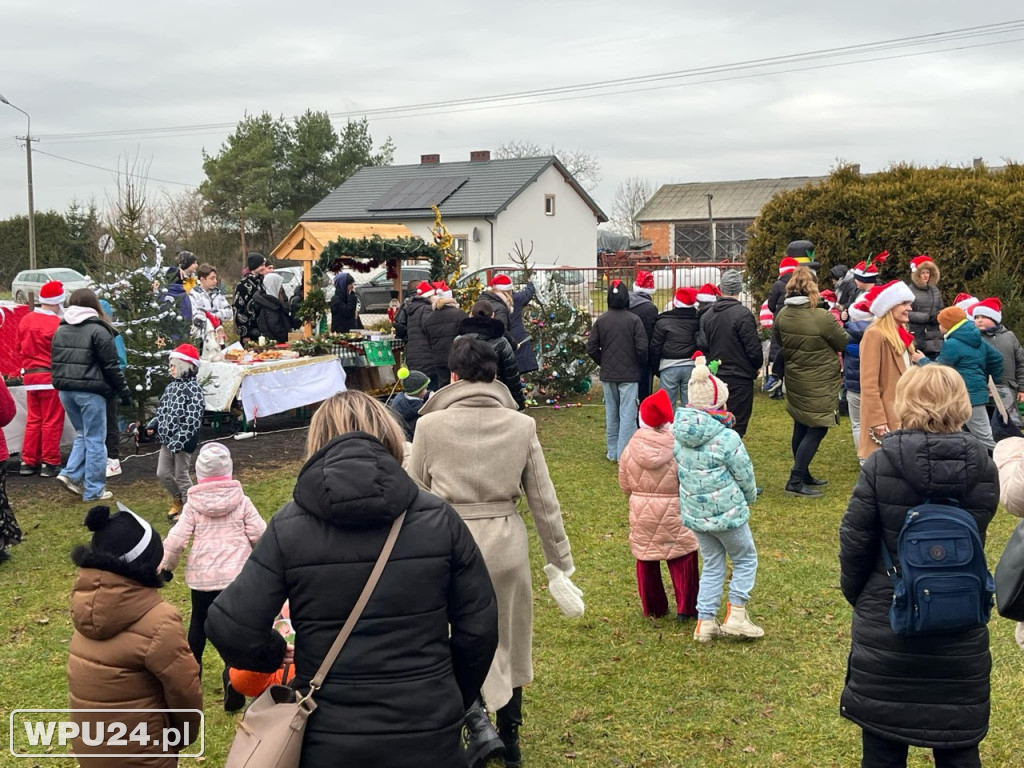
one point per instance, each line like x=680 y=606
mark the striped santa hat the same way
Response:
x=867 y=270
x=708 y=293
x=788 y=265
x=766 y=318
x=685 y=298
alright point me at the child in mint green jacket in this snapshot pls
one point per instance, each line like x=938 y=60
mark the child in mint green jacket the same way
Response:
x=716 y=489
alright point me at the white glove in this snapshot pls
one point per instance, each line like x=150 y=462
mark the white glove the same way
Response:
x=566 y=594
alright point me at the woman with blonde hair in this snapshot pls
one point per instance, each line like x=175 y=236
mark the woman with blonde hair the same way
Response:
x=931 y=690
x=416 y=659
x=810 y=341
x=886 y=352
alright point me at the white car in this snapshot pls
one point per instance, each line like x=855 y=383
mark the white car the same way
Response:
x=29 y=281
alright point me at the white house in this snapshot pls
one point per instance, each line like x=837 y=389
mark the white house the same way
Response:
x=488 y=206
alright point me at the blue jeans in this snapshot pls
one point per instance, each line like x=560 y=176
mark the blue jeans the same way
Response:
x=675 y=381
x=87 y=464
x=739 y=545
x=620 y=408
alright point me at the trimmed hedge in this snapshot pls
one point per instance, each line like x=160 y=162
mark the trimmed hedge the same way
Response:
x=969 y=220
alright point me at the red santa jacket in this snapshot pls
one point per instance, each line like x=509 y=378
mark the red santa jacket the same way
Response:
x=35 y=339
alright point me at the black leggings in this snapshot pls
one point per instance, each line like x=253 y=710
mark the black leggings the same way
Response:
x=201 y=602
x=805 y=445
x=883 y=753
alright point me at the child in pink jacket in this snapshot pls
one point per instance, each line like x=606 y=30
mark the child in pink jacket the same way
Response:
x=224 y=526
x=648 y=475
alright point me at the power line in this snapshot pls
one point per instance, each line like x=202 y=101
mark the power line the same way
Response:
x=111 y=170
x=382 y=112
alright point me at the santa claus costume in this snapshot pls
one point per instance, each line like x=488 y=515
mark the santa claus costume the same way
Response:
x=40 y=451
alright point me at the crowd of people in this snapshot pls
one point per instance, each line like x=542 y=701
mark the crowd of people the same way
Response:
x=445 y=463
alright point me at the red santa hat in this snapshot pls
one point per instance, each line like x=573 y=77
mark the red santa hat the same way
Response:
x=966 y=302
x=991 y=308
x=884 y=297
x=861 y=310
x=656 y=410
x=708 y=293
x=214 y=320
x=917 y=261
x=52 y=293
x=442 y=290
x=684 y=298
x=766 y=318
x=501 y=283
x=185 y=352
x=644 y=282
x=425 y=289
x=829 y=296
x=787 y=265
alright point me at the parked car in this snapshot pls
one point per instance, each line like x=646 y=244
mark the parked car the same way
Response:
x=29 y=281
x=574 y=281
x=375 y=294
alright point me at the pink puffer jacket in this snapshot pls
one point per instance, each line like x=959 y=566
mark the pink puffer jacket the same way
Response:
x=647 y=473
x=223 y=525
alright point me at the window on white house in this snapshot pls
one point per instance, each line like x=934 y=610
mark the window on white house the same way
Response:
x=549 y=205
x=460 y=243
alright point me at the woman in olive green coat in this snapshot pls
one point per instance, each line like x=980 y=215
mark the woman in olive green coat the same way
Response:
x=811 y=340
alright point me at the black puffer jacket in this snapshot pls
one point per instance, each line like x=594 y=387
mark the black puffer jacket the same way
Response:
x=441 y=326
x=618 y=343
x=489 y=329
x=397 y=694
x=730 y=335
x=929 y=691
x=500 y=310
x=675 y=335
x=924 y=318
x=777 y=294
x=641 y=305
x=83 y=357
x=272 y=317
x=417 y=347
x=344 y=304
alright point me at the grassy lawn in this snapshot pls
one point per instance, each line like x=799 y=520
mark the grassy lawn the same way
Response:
x=612 y=689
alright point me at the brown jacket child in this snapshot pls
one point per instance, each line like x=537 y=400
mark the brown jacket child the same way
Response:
x=128 y=650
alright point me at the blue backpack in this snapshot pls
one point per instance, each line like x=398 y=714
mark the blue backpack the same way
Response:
x=942 y=583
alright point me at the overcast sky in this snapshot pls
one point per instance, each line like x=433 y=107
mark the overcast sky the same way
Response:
x=117 y=65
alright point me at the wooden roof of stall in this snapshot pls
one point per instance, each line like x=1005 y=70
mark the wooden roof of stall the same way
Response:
x=307 y=239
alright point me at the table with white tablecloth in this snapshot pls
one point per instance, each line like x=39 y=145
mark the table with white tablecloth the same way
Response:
x=14 y=433
x=270 y=387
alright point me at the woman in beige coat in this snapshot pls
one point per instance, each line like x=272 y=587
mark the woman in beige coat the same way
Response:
x=474 y=450
x=886 y=352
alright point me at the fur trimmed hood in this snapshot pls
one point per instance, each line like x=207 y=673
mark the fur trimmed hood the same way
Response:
x=927 y=266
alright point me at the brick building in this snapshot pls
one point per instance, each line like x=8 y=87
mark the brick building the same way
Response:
x=708 y=221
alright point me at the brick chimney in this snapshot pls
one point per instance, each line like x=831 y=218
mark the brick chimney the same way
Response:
x=430 y=159
x=480 y=156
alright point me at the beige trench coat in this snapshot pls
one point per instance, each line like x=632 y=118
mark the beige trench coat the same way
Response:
x=474 y=450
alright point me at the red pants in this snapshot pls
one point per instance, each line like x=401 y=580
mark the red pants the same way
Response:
x=685 y=579
x=43 y=426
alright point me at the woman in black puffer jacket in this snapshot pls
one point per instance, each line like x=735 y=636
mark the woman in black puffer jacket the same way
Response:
x=482 y=324
x=397 y=695
x=924 y=315
x=927 y=690
x=441 y=325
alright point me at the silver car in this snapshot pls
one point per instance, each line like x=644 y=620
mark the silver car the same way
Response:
x=29 y=281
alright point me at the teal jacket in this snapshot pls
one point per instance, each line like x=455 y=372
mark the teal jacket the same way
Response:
x=716 y=476
x=972 y=357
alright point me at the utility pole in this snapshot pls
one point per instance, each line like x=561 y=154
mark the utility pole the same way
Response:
x=31 y=201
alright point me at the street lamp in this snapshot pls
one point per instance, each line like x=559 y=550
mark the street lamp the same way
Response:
x=31 y=204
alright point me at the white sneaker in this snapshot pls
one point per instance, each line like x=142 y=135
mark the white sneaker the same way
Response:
x=113 y=467
x=738 y=624
x=71 y=486
x=707 y=630
x=105 y=496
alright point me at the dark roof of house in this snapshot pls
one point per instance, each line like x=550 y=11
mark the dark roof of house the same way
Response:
x=730 y=199
x=480 y=188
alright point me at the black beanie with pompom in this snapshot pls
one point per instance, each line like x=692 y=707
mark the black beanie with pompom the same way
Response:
x=122 y=543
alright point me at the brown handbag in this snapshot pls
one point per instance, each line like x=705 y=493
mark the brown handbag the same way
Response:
x=271 y=730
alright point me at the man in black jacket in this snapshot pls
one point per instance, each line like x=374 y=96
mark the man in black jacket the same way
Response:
x=245 y=297
x=731 y=334
x=642 y=305
x=618 y=344
x=674 y=343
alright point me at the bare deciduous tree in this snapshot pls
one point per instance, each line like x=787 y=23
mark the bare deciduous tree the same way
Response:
x=128 y=217
x=583 y=165
x=630 y=198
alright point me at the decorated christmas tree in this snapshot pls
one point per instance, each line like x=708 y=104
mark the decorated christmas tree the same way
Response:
x=559 y=330
x=150 y=323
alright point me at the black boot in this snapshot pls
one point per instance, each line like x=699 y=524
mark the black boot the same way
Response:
x=796 y=487
x=233 y=700
x=482 y=741
x=814 y=482
x=510 y=717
